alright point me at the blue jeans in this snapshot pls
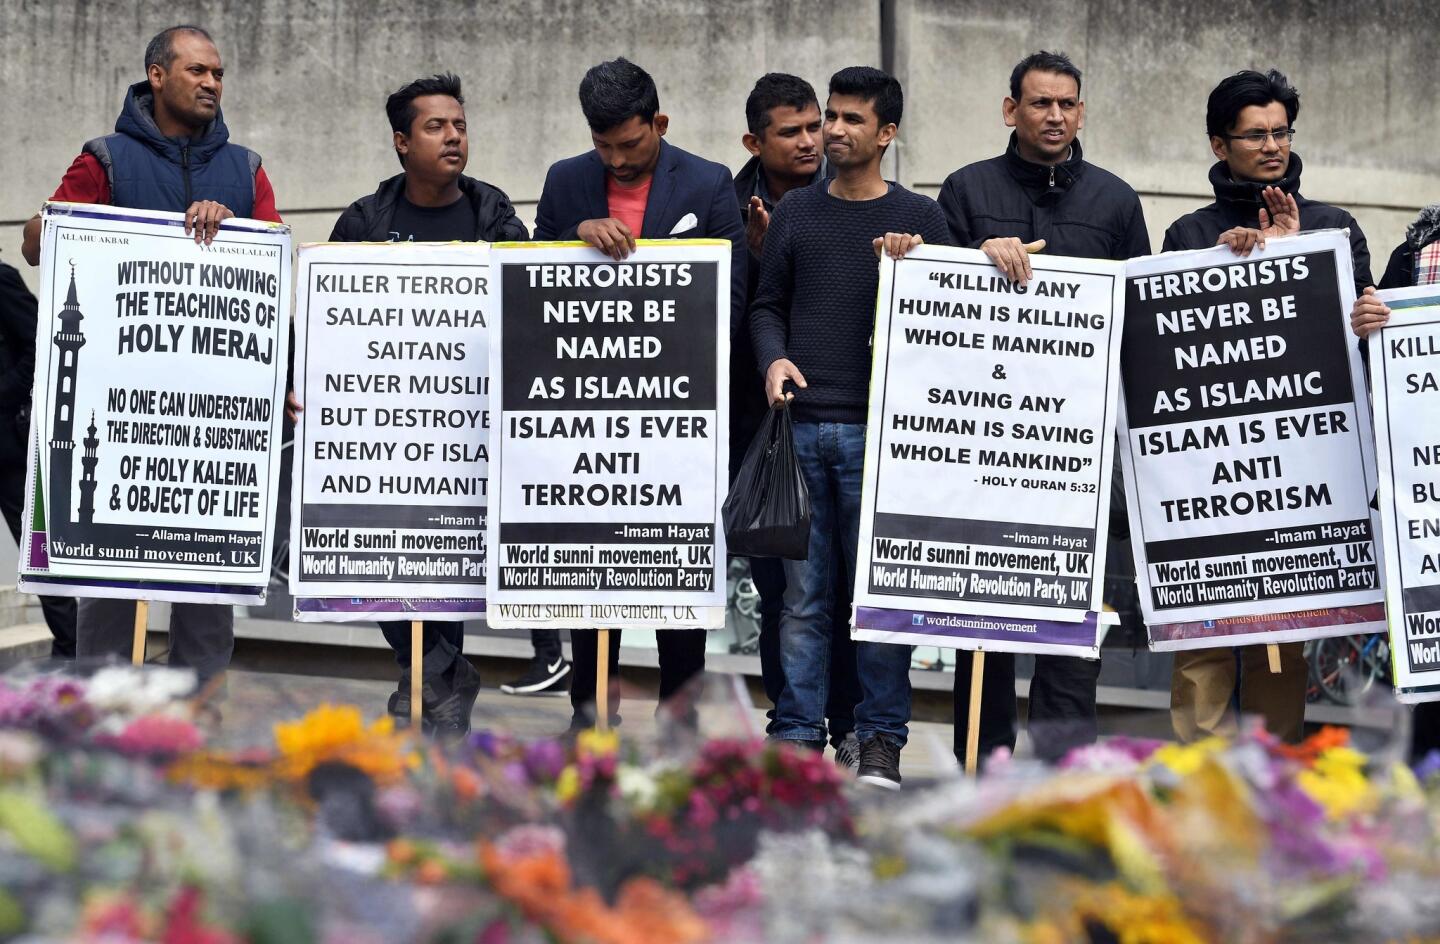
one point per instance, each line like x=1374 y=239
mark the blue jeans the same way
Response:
x=832 y=459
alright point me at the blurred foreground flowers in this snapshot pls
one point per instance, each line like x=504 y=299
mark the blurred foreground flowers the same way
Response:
x=118 y=823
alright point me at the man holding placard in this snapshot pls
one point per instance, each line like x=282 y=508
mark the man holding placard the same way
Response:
x=431 y=201
x=170 y=151
x=1042 y=195
x=634 y=185
x=1415 y=262
x=1250 y=120
x=811 y=324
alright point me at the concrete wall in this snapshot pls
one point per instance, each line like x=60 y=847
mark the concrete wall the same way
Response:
x=1366 y=128
x=305 y=83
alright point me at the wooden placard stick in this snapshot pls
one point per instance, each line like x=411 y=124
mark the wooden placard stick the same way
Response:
x=142 y=621
x=417 y=670
x=602 y=681
x=972 y=731
x=1273 y=651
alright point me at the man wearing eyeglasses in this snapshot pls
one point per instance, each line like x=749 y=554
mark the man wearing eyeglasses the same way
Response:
x=1250 y=119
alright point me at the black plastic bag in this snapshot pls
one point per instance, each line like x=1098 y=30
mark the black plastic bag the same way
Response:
x=768 y=511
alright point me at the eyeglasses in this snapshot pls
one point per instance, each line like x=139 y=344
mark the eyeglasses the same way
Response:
x=1255 y=140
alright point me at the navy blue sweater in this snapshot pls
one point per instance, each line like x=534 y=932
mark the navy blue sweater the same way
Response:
x=818 y=281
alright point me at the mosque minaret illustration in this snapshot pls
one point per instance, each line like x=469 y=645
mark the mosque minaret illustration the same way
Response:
x=87 y=477
x=69 y=339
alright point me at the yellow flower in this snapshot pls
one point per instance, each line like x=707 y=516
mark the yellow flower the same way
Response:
x=1185 y=759
x=1139 y=919
x=596 y=743
x=1404 y=783
x=338 y=733
x=1337 y=782
x=567 y=787
x=888 y=867
x=1107 y=812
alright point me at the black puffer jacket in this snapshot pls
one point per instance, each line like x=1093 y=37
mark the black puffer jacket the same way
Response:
x=1237 y=203
x=1080 y=210
x=1077 y=208
x=368 y=219
x=1400 y=271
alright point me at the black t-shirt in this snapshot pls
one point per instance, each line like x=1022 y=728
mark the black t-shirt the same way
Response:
x=417 y=224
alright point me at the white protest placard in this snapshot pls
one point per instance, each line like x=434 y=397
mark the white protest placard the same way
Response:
x=159 y=366
x=391 y=479
x=610 y=436
x=1405 y=383
x=1245 y=439
x=988 y=453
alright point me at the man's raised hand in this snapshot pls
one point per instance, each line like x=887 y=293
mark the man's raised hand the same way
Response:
x=1280 y=216
x=757 y=221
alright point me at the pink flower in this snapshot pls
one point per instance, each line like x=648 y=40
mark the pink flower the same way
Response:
x=155 y=736
x=702 y=813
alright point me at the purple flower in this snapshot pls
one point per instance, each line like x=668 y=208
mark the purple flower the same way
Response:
x=544 y=760
x=1429 y=767
x=514 y=773
x=486 y=742
x=1139 y=749
x=16 y=709
x=1304 y=844
x=52 y=705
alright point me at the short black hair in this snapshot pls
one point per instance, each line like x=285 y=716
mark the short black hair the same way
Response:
x=1246 y=88
x=614 y=92
x=774 y=90
x=875 y=86
x=160 y=51
x=1042 y=61
x=400 y=106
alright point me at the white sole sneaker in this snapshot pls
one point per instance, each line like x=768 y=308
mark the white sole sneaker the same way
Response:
x=539 y=688
x=875 y=780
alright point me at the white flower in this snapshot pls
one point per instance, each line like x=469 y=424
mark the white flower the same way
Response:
x=637 y=786
x=129 y=690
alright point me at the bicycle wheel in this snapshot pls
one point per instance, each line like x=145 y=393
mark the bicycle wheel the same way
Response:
x=1335 y=666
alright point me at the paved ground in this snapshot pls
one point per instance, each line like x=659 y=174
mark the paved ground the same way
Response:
x=254 y=701
x=275 y=680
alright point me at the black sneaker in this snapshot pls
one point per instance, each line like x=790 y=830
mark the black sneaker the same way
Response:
x=448 y=701
x=398 y=707
x=880 y=762
x=541 y=678
x=847 y=753
x=798 y=744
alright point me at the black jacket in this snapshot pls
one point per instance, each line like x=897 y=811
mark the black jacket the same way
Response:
x=17 y=354
x=367 y=220
x=745 y=188
x=747 y=396
x=1237 y=203
x=1400 y=271
x=1077 y=208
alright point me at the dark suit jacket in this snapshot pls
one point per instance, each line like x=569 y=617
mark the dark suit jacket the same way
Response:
x=683 y=184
